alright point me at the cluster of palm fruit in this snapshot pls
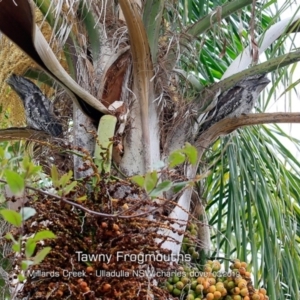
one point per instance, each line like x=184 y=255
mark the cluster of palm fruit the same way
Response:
x=188 y=243
x=211 y=283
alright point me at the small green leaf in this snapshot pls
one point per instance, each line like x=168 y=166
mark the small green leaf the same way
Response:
x=33 y=170
x=21 y=277
x=159 y=165
x=44 y=234
x=177 y=187
x=30 y=247
x=139 y=180
x=41 y=255
x=150 y=181
x=25 y=162
x=16 y=244
x=24 y=266
x=16 y=247
x=65 y=178
x=9 y=236
x=162 y=187
x=82 y=198
x=191 y=153
x=11 y=217
x=54 y=176
x=15 y=182
x=216 y=145
x=2 y=153
x=70 y=187
x=27 y=212
x=176 y=158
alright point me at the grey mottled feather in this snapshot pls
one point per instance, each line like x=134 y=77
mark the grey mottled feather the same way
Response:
x=38 y=108
x=238 y=100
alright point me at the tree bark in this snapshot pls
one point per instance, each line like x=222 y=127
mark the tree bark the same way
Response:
x=226 y=126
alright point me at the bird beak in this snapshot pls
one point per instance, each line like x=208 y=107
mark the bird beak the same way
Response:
x=263 y=82
x=11 y=80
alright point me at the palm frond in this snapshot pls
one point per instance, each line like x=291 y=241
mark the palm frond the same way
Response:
x=252 y=197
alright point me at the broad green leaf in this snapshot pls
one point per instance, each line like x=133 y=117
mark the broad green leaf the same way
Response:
x=176 y=158
x=150 y=181
x=41 y=255
x=27 y=212
x=139 y=180
x=177 y=187
x=191 y=153
x=44 y=234
x=161 y=187
x=30 y=247
x=11 y=217
x=15 y=182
